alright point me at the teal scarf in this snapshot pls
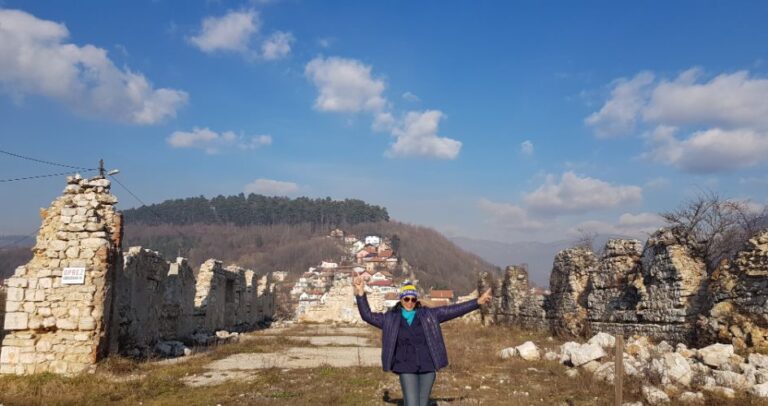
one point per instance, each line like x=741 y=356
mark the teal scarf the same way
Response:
x=408 y=315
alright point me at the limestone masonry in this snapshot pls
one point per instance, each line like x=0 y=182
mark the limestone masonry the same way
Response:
x=81 y=298
x=661 y=290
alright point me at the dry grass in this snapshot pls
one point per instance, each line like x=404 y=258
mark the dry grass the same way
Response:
x=476 y=376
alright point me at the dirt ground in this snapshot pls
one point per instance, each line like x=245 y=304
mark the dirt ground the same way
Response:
x=322 y=365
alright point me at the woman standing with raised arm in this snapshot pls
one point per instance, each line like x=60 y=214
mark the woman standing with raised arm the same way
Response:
x=412 y=343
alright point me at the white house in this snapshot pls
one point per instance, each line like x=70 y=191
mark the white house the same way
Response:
x=379 y=276
x=373 y=240
x=328 y=265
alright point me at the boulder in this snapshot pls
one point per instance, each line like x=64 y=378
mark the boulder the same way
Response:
x=730 y=379
x=716 y=355
x=507 y=353
x=691 y=397
x=604 y=340
x=760 y=390
x=528 y=351
x=654 y=395
x=580 y=354
x=672 y=368
x=760 y=361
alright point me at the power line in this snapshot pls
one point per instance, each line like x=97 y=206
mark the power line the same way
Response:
x=173 y=227
x=45 y=162
x=43 y=176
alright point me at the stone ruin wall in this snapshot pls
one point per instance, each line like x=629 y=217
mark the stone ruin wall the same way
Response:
x=661 y=290
x=340 y=305
x=127 y=302
x=62 y=328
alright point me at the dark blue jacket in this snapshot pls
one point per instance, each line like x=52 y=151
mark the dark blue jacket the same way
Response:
x=411 y=351
x=389 y=323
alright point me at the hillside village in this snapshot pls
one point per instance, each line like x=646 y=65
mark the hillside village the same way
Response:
x=324 y=292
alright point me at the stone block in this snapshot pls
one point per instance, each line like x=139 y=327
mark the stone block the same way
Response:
x=87 y=323
x=15 y=294
x=57 y=245
x=94 y=243
x=16 y=282
x=66 y=324
x=16 y=321
x=45 y=283
x=12 y=306
x=73 y=252
x=59 y=367
x=9 y=355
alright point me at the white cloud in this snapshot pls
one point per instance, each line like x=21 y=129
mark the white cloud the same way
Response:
x=510 y=216
x=699 y=125
x=408 y=96
x=229 y=33
x=727 y=101
x=575 y=194
x=277 y=46
x=712 y=150
x=345 y=85
x=640 y=220
x=213 y=142
x=36 y=59
x=619 y=114
x=417 y=136
x=638 y=226
x=271 y=187
x=657 y=183
x=526 y=147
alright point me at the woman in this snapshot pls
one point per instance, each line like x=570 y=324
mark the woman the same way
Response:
x=412 y=343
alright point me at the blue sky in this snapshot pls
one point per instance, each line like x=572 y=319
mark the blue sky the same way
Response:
x=500 y=120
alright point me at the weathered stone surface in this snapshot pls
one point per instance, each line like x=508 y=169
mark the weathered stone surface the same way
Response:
x=528 y=351
x=604 y=340
x=580 y=354
x=760 y=390
x=654 y=395
x=568 y=284
x=716 y=355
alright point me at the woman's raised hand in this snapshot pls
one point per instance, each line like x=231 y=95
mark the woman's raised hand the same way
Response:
x=485 y=298
x=359 y=284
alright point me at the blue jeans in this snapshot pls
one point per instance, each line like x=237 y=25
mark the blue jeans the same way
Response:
x=416 y=388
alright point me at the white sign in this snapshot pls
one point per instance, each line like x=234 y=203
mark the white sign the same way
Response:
x=73 y=276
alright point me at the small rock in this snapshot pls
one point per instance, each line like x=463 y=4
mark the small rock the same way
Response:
x=572 y=372
x=507 y=353
x=604 y=340
x=760 y=361
x=691 y=397
x=528 y=351
x=654 y=395
x=760 y=390
x=716 y=355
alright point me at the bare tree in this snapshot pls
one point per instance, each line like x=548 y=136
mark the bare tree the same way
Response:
x=586 y=239
x=717 y=227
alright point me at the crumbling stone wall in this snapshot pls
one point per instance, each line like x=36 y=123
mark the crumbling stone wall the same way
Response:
x=739 y=292
x=661 y=290
x=164 y=301
x=568 y=284
x=124 y=303
x=62 y=328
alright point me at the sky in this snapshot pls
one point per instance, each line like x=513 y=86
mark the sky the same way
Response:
x=507 y=121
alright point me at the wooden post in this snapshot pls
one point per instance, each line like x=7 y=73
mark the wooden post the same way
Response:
x=618 y=380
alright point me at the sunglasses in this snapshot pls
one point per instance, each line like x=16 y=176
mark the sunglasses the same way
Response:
x=409 y=299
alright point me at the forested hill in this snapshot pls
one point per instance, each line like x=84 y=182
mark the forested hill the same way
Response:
x=256 y=209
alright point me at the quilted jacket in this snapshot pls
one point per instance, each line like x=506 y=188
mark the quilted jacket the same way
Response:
x=389 y=323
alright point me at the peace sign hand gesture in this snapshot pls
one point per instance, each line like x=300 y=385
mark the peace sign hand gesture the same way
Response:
x=359 y=285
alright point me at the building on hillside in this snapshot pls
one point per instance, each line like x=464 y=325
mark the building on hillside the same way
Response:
x=337 y=233
x=279 y=276
x=350 y=239
x=358 y=270
x=328 y=265
x=385 y=253
x=373 y=240
x=382 y=286
x=381 y=276
x=390 y=263
x=366 y=275
x=441 y=296
x=391 y=299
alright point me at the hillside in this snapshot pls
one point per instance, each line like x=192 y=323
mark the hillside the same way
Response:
x=256 y=209
x=436 y=261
